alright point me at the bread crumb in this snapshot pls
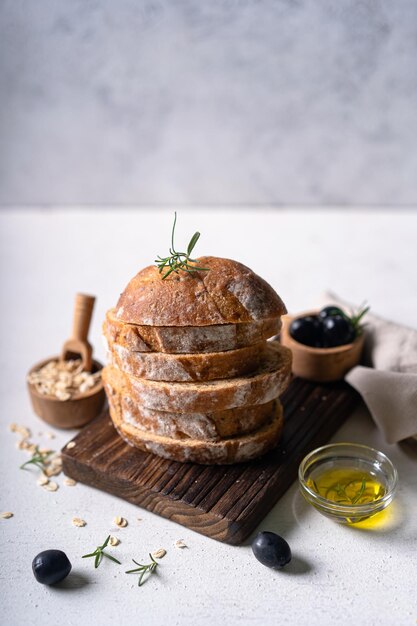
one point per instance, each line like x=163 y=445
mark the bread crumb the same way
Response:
x=180 y=544
x=50 y=435
x=114 y=541
x=70 y=482
x=77 y=521
x=6 y=515
x=121 y=522
x=159 y=554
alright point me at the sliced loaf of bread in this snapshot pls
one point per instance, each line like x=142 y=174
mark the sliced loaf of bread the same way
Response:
x=228 y=292
x=226 y=451
x=205 y=426
x=187 y=367
x=187 y=339
x=264 y=384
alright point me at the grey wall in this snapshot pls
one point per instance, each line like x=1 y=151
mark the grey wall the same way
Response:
x=208 y=102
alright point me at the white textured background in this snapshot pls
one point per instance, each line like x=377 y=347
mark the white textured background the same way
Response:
x=223 y=101
x=339 y=575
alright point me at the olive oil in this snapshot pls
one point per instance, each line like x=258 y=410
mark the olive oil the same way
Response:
x=347 y=486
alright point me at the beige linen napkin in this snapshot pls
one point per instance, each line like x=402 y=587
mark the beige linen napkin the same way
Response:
x=387 y=381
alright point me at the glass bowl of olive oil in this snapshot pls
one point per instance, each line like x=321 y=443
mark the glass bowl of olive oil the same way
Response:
x=347 y=482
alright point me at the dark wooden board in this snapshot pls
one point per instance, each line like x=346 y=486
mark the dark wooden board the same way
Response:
x=223 y=502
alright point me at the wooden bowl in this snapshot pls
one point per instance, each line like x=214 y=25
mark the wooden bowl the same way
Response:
x=322 y=365
x=73 y=413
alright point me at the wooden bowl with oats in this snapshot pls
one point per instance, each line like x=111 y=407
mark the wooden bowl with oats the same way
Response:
x=63 y=395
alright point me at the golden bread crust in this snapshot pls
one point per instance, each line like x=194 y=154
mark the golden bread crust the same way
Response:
x=204 y=426
x=267 y=382
x=187 y=367
x=187 y=339
x=226 y=451
x=228 y=293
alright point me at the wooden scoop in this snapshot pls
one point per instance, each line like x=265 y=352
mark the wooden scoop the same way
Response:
x=78 y=344
x=83 y=407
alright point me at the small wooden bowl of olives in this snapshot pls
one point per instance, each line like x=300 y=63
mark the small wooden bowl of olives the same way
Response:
x=325 y=344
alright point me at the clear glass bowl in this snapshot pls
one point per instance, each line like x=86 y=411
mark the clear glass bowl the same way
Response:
x=354 y=457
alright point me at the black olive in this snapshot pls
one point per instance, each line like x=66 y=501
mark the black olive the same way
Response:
x=307 y=330
x=51 y=566
x=337 y=331
x=271 y=550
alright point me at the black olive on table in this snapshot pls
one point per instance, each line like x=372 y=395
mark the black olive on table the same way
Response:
x=51 y=566
x=271 y=550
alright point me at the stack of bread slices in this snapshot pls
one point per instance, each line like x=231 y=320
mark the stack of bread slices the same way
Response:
x=190 y=373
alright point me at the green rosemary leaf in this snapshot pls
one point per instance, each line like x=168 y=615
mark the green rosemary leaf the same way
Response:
x=143 y=570
x=38 y=459
x=179 y=261
x=192 y=243
x=110 y=557
x=360 y=492
x=99 y=553
x=86 y=556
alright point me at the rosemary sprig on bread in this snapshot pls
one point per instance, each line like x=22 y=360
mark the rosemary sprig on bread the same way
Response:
x=179 y=261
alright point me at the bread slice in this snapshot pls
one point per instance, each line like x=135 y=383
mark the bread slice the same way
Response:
x=205 y=426
x=187 y=367
x=187 y=339
x=227 y=293
x=225 y=451
x=263 y=385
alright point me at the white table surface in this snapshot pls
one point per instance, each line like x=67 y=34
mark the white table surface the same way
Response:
x=338 y=574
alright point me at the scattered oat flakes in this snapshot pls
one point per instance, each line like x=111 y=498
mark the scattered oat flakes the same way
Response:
x=121 y=522
x=77 y=521
x=180 y=544
x=159 y=554
x=53 y=470
x=50 y=435
x=114 y=541
x=70 y=445
x=6 y=515
x=70 y=482
x=43 y=480
x=51 y=486
x=24 y=444
x=24 y=432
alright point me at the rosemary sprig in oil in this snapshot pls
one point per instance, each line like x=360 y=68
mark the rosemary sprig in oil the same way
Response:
x=142 y=570
x=179 y=261
x=99 y=553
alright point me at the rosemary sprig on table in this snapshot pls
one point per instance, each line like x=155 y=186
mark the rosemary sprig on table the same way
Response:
x=143 y=569
x=179 y=261
x=99 y=553
x=39 y=459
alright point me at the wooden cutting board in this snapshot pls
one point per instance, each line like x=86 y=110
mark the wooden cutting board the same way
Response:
x=223 y=502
